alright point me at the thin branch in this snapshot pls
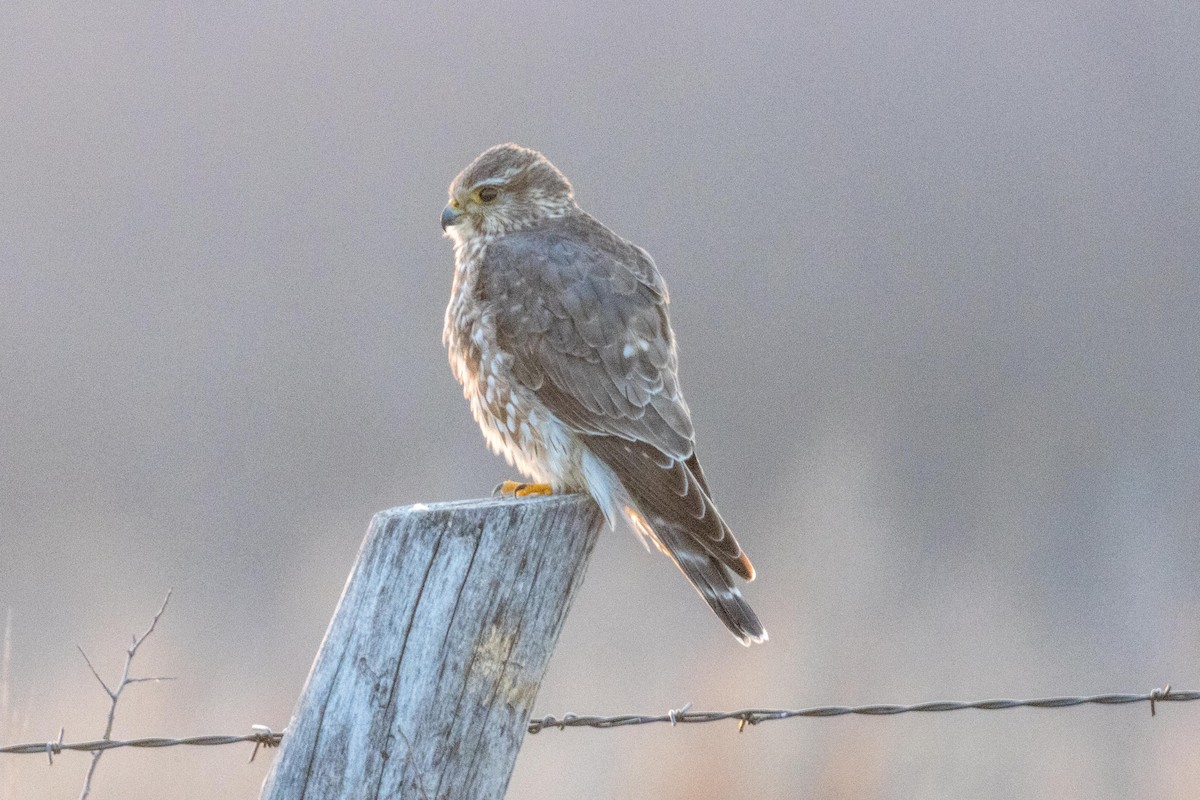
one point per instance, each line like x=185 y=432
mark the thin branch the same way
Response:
x=151 y=680
x=107 y=690
x=115 y=694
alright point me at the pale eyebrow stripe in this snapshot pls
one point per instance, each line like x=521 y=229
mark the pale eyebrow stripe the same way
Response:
x=499 y=180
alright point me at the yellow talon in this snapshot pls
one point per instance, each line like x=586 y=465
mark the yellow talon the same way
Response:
x=518 y=489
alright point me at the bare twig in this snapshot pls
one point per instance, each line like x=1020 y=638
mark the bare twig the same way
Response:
x=115 y=694
x=95 y=674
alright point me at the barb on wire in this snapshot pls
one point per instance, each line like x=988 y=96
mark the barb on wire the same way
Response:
x=265 y=737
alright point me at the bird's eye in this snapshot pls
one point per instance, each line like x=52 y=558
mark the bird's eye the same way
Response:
x=488 y=194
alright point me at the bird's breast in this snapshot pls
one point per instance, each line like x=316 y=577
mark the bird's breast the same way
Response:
x=514 y=422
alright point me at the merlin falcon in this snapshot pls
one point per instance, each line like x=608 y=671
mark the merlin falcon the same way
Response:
x=557 y=330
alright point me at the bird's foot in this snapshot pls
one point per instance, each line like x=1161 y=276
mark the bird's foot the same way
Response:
x=518 y=489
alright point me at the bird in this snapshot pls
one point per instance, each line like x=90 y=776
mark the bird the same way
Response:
x=557 y=329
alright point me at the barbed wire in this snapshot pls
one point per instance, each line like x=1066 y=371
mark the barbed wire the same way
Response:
x=754 y=716
x=262 y=737
x=265 y=737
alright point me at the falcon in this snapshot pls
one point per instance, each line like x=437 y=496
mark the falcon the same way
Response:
x=557 y=329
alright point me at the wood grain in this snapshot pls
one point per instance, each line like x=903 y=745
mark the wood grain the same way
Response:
x=426 y=678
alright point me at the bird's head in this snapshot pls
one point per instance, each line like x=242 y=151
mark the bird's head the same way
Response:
x=505 y=189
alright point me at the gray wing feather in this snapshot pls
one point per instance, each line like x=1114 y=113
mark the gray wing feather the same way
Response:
x=584 y=314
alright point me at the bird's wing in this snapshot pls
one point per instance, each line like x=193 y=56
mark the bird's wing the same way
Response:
x=588 y=330
x=584 y=315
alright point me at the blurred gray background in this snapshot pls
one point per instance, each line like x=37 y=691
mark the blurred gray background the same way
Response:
x=935 y=281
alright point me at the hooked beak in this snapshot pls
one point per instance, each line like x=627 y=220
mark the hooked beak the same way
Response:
x=450 y=216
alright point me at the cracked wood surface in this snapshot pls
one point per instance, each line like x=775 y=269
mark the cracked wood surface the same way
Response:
x=426 y=678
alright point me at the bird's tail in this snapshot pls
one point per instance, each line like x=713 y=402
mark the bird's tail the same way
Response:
x=709 y=577
x=667 y=500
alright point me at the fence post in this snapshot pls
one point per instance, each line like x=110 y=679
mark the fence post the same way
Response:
x=426 y=678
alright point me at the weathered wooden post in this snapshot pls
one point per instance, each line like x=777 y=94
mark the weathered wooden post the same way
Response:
x=427 y=676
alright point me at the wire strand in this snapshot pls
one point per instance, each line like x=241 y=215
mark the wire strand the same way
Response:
x=265 y=737
x=754 y=716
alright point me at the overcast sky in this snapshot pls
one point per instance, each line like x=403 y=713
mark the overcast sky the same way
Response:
x=935 y=283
